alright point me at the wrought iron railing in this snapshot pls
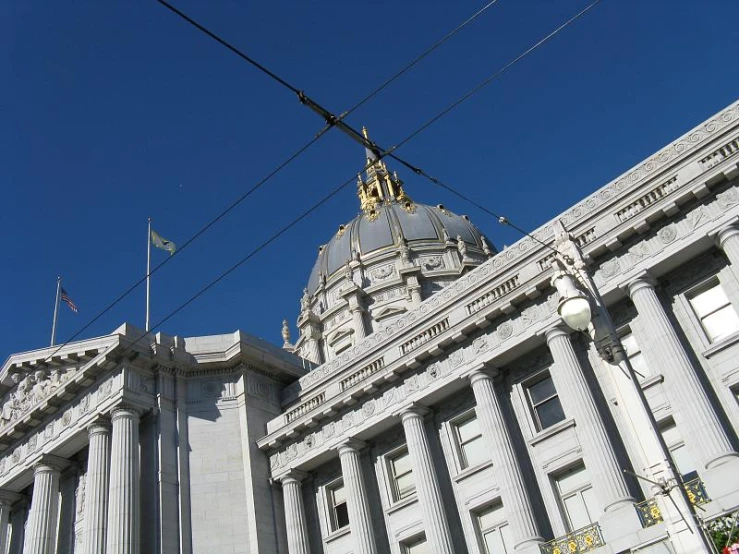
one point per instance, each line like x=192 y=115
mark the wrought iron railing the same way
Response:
x=576 y=542
x=650 y=514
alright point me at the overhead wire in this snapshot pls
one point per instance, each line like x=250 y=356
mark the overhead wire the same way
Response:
x=280 y=166
x=381 y=155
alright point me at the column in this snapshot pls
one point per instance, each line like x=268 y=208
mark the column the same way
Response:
x=18 y=519
x=508 y=474
x=41 y=528
x=297 y=529
x=123 y=533
x=710 y=441
x=96 y=487
x=577 y=399
x=356 y=497
x=427 y=486
x=7 y=499
x=728 y=241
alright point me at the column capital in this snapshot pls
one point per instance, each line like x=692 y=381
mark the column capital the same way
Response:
x=642 y=281
x=101 y=424
x=412 y=411
x=725 y=233
x=558 y=330
x=50 y=463
x=125 y=410
x=350 y=445
x=481 y=370
x=292 y=476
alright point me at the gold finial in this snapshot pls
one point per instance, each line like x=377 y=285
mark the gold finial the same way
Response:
x=364 y=132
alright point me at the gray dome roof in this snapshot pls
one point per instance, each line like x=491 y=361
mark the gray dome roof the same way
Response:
x=420 y=225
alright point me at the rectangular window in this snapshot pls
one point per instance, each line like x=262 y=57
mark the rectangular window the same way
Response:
x=417 y=545
x=338 y=512
x=544 y=402
x=634 y=353
x=716 y=314
x=494 y=533
x=470 y=443
x=679 y=452
x=401 y=475
x=577 y=497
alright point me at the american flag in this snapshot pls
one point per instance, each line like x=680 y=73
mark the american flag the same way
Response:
x=65 y=298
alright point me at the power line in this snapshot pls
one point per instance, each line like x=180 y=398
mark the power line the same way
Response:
x=283 y=164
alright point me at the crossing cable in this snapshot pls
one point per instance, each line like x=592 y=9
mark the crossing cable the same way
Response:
x=379 y=156
x=279 y=167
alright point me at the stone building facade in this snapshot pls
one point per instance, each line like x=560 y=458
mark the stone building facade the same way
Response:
x=433 y=401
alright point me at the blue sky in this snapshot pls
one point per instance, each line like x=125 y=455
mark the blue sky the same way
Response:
x=114 y=112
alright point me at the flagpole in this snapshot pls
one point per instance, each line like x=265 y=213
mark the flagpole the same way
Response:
x=148 y=272
x=56 y=309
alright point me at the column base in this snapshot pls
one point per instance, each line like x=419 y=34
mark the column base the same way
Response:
x=718 y=480
x=532 y=546
x=621 y=527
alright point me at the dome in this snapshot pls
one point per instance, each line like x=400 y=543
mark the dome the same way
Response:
x=391 y=224
x=384 y=262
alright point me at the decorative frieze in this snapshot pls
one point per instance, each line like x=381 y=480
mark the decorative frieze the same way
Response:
x=720 y=154
x=425 y=336
x=305 y=407
x=359 y=376
x=493 y=295
x=643 y=202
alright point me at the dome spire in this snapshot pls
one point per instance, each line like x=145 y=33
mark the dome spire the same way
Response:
x=380 y=186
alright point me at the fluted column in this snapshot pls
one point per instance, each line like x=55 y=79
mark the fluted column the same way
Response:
x=96 y=488
x=123 y=533
x=577 y=399
x=6 y=501
x=728 y=241
x=427 y=486
x=356 y=497
x=711 y=445
x=41 y=528
x=297 y=529
x=516 y=502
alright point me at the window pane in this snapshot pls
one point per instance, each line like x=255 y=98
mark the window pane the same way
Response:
x=572 y=480
x=682 y=459
x=474 y=452
x=709 y=301
x=493 y=541
x=342 y=515
x=591 y=504
x=639 y=363
x=339 y=495
x=401 y=464
x=629 y=343
x=721 y=323
x=576 y=512
x=489 y=517
x=671 y=434
x=405 y=485
x=542 y=390
x=550 y=412
x=505 y=531
x=420 y=547
x=468 y=429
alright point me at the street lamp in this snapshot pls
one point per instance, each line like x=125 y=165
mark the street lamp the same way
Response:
x=582 y=308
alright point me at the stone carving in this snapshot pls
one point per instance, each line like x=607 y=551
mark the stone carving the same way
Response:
x=728 y=198
x=30 y=389
x=285 y=334
x=696 y=217
x=80 y=495
x=382 y=273
x=462 y=247
x=445 y=235
x=486 y=248
x=432 y=262
x=667 y=234
x=348 y=272
x=505 y=330
x=404 y=251
x=305 y=302
x=611 y=268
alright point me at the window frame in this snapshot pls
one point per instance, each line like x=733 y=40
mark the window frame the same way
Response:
x=459 y=444
x=577 y=491
x=666 y=424
x=410 y=542
x=532 y=407
x=702 y=287
x=498 y=524
x=624 y=332
x=332 y=517
x=393 y=490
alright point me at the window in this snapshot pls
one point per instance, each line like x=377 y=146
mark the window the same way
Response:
x=470 y=443
x=544 y=402
x=338 y=512
x=716 y=314
x=634 y=353
x=494 y=534
x=679 y=452
x=401 y=475
x=577 y=497
x=417 y=545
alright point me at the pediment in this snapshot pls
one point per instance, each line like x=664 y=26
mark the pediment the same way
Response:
x=339 y=335
x=388 y=311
